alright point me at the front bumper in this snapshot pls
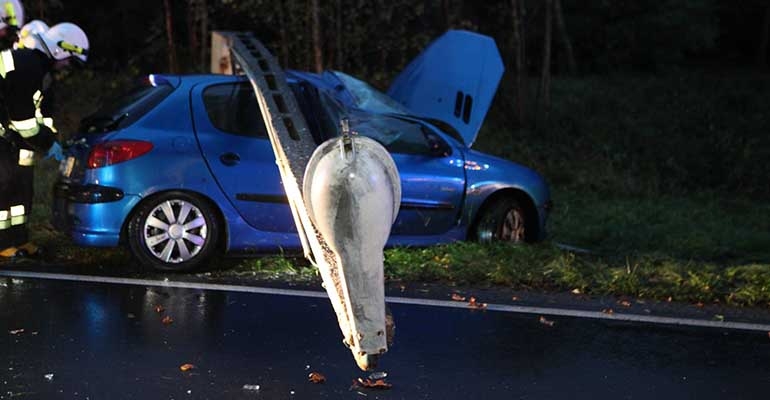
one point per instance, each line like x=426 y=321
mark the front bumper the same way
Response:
x=92 y=215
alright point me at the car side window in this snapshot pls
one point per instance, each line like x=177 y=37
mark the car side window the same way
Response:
x=397 y=135
x=233 y=108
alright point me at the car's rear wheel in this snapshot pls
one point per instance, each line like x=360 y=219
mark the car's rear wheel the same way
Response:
x=173 y=231
x=503 y=220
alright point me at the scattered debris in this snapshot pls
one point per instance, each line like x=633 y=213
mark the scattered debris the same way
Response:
x=719 y=317
x=515 y=298
x=472 y=303
x=670 y=299
x=316 y=377
x=186 y=367
x=457 y=297
x=372 y=384
x=159 y=309
x=547 y=322
x=576 y=291
x=16 y=331
x=167 y=320
x=251 y=387
x=625 y=303
x=48 y=377
x=608 y=311
x=378 y=375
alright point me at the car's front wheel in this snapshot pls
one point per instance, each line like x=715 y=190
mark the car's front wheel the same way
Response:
x=503 y=220
x=173 y=231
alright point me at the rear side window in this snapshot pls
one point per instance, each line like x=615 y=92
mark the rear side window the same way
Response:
x=233 y=108
x=127 y=108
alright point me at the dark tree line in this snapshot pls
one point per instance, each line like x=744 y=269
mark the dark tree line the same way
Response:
x=376 y=38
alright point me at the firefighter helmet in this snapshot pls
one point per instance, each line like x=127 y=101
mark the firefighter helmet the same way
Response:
x=11 y=14
x=65 y=40
x=29 y=36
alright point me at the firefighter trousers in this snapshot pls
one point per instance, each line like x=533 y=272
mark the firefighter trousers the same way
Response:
x=16 y=192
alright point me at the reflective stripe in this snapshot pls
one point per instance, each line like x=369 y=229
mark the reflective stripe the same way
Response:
x=26 y=128
x=18 y=216
x=48 y=121
x=26 y=158
x=6 y=63
x=5 y=222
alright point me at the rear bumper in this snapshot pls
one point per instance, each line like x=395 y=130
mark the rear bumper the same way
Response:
x=92 y=215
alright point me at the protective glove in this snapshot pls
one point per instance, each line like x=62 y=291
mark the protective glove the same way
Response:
x=56 y=152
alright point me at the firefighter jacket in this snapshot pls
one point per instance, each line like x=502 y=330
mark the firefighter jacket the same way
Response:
x=23 y=74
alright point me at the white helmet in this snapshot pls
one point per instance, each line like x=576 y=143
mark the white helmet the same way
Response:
x=11 y=13
x=65 y=40
x=29 y=35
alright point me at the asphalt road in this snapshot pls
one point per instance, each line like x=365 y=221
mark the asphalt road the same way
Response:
x=79 y=340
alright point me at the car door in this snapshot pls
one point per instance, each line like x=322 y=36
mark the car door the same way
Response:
x=432 y=174
x=233 y=138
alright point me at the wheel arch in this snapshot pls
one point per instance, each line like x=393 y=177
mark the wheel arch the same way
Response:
x=532 y=228
x=224 y=233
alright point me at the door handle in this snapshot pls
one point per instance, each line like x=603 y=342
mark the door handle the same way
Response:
x=230 y=159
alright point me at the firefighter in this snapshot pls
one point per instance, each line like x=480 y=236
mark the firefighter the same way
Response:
x=29 y=35
x=11 y=18
x=23 y=73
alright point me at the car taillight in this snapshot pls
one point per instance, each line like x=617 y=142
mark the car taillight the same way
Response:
x=109 y=153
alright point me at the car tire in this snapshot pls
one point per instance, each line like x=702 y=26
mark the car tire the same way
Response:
x=156 y=238
x=503 y=220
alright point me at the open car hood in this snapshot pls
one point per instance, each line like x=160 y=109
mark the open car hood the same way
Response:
x=454 y=79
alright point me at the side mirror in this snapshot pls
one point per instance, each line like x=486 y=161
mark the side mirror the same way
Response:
x=438 y=147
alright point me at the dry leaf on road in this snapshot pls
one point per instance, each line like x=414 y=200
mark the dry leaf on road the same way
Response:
x=159 y=309
x=167 y=320
x=316 y=377
x=186 y=367
x=457 y=297
x=476 y=305
x=372 y=384
x=547 y=322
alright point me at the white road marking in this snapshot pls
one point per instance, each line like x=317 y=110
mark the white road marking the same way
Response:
x=549 y=311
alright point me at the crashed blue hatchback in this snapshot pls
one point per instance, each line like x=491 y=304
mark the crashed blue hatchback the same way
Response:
x=181 y=167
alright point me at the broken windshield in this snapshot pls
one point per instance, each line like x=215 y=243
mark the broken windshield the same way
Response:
x=370 y=99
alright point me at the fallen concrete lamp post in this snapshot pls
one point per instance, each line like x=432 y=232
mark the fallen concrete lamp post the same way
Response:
x=349 y=198
x=353 y=193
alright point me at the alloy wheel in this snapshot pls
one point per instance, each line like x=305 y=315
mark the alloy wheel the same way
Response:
x=175 y=231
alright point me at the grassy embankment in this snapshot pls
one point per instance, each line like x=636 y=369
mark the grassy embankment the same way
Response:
x=663 y=179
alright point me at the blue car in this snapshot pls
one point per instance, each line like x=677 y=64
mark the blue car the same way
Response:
x=181 y=168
